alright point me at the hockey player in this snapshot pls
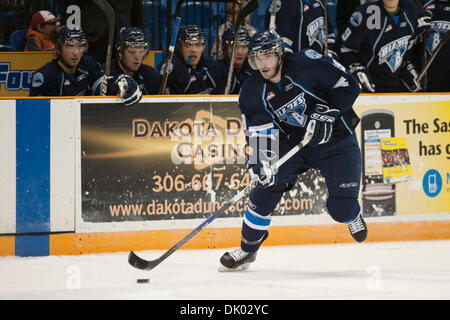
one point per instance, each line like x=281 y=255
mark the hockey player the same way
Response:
x=131 y=49
x=438 y=75
x=301 y=25
x=192 y=72
x=377 y=45
x=290 y=93
x=73 y=73
x=241 y=69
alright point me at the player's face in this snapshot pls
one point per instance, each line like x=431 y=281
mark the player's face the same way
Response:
x=132 y=57
x=267 y=64
x=391 y=5
x=240 y=54
x=72 y=53
x=192 y=51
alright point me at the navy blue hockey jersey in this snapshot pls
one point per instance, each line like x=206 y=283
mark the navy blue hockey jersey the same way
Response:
x=51 y=80
x=300 y=23
x=147 y=78
x=204 y=79
x=308 y=78
x=438 y=75
x=237 y=79
x=380 y=42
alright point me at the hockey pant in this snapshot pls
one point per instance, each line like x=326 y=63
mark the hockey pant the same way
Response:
x=339 y=164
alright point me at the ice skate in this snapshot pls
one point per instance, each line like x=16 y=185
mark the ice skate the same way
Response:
x=358 y=229
x=236 y=260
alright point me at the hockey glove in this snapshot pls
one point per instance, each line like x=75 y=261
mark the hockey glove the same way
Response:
x=262 y=173
x=424 y=22
x=409 y=77
x=331 y=40
x=128 y=89
x=323 y=118
x=359 y=71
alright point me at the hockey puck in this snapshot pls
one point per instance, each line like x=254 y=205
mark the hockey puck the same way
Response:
x=143 y=280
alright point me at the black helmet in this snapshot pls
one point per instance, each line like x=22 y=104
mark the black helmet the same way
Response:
x=70 y=35
x=131 y=37
x=243 y=37
x=191 y=33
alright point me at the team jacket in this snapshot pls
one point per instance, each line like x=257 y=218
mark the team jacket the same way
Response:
x=381 y=45
x=147 y=78
x=439 y=72
x=51 y=80
x=300 y=23
x=237 y=79
x=308 y=79
x=204 y=79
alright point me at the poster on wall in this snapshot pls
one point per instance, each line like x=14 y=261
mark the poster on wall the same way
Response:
x=170 y=161
x=405 y=152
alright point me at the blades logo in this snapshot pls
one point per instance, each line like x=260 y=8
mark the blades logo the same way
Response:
x=292 y=113
x=315 y=32
x=393 y=52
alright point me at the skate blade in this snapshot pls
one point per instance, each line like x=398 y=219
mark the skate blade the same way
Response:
x=242 y=267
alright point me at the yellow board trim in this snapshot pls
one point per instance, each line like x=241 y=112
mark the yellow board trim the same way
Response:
x=210 y=238
x=7 y=246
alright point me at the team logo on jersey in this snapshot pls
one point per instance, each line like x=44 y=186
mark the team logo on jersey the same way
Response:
x=356 y=18
x=438 y=29
x=312 y=54
x=38 y=80
x=292 y=112
x=315 y=32
x=270 y=95
x=393 y=52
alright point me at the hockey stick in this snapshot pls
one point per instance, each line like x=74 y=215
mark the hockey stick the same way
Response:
x=248 y=9
x=325 y=28
x=444 y=39
x=143 y=264
x=273 y=13
x=111 y=17
x=423 y=48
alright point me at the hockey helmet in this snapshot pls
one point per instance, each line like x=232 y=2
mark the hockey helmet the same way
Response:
x=264 y=42
x=131 y=37
x=243 y=37
x=190 y=34
x=70 y=36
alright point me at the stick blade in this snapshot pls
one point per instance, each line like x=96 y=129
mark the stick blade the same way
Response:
x=139 y=263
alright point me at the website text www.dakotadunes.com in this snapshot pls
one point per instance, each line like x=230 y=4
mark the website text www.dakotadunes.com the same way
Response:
x=182 y=207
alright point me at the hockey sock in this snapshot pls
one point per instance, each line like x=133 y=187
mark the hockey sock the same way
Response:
x=257 y=218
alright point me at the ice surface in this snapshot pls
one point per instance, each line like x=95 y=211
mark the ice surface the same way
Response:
x=384 y=270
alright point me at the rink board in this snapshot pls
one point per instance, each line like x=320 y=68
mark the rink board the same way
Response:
x=48 y=209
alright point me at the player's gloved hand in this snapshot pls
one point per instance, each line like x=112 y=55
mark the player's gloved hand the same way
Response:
x=409 y=77
x=324 y=118
x=359 y=71
x=331 y=40
x=424 y=22
x=128 y=89
x=262 y=173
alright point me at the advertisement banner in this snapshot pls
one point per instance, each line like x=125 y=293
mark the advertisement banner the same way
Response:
x=165 y=161
x=419 y=135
